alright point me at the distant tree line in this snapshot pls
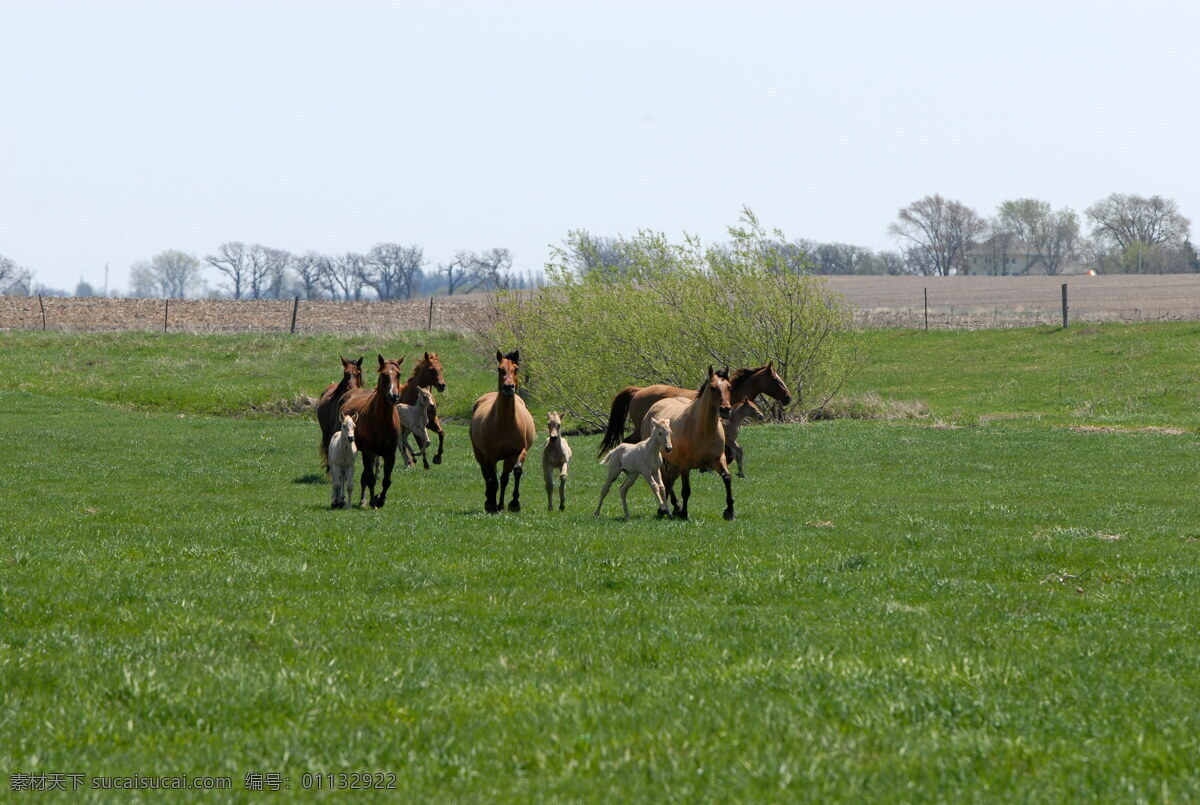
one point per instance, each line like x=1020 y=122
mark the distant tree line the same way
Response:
x=253 y=271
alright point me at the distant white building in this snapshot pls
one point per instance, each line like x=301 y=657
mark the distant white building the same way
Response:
x=995 y=257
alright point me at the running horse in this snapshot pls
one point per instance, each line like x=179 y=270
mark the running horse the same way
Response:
x=635 y=401
x=502 y=430
x=378 y=427
x=330 y=403
x=697 y=437
x=426 y=374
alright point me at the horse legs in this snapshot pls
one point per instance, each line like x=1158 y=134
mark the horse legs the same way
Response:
x=723 y=470
x=490 y=484
x=660 y=491
x=738 y=453
x=548 y=474
x=562 y=490
x=613 y=472
x=514 y=505
x=682 y=514
x=630 y=481
x=389 y=460
x=337 y=473
x=368 y=477
x=436 y=427
x=670 y=473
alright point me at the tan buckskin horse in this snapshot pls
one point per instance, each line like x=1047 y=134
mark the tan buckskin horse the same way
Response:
x=427 y=374
x=378 y=427
x=698 y=437
x=502 y=429
x=331 y=402
x=635 y=401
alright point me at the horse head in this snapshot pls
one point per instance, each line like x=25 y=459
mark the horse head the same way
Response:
x=717 y=387
x=661 y=430
x=352 y=373
x=506 y=368
x=554 y=426
x=348 y=425
x=774 y=386
x=389 y=379
x=429 y=372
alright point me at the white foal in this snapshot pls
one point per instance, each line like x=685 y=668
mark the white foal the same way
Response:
x=643 y=458
x=555 y=456
x=747 y=410
x=342 y=452
x=413 y=419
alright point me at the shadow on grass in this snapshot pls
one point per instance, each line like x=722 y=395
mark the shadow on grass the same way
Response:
x=311 y=478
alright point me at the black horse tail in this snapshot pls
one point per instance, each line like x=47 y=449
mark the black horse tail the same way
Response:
x=616 y=419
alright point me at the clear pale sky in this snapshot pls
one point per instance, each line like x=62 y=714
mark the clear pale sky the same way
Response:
x=127 y=128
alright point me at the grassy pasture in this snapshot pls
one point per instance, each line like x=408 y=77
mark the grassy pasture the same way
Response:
x=970 y=607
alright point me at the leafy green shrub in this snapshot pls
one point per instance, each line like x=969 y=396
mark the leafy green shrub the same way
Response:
x=661 y=312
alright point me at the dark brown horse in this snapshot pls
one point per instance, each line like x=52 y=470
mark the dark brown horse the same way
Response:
x=502 y=430
x=378 y=429
x=331 y=402
x=635 y=401
x=426 y=374
x=698 y=438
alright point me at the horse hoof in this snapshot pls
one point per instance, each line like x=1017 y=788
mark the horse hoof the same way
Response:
x=662 y=515
x=728 y=515
x=437 y=459
x=562 y=507
x=513 y=506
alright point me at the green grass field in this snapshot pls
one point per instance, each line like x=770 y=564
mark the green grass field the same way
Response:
x=996 y=602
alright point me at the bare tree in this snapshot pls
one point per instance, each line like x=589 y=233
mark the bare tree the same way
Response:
x=231 y=260
x=1051 y=236
x=391 y=270
x=175 y=274
x=308 y=268
x=14 y=280
x=1121 y=220
x=943 y=229
x=458 y=271
x=342 y=276
x=142 y=281
x=492 y=269
x=276 y=264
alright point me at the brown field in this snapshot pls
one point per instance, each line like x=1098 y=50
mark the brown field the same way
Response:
x=965 y=302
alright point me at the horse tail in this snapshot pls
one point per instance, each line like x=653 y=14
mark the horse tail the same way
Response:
x=616 y=418
x=325 y=453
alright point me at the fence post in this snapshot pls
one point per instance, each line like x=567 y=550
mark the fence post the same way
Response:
x=429 y=326
x=43 y=307
x=295 y=307
x=1064 y=292
x=926 y=308
x=166 y=309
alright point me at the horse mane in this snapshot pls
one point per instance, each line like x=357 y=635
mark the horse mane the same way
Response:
x=742 y=375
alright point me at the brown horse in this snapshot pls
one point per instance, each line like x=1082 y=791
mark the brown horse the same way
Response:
x=698 y=437
x=502 y=430
x=635 y=401
x=378 y=429
x=426 y=374
x=331 y=402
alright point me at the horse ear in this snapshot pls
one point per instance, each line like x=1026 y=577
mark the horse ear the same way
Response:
x=710 y=371
x=499 y=356
x=381 y=362
x=427 y=357
x=725 y=374
x=345 y=362
x=771 y=364
x=358 y=362
x=514 y=356
x=400 y=361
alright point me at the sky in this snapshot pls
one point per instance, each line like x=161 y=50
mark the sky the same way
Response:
x=128 y=128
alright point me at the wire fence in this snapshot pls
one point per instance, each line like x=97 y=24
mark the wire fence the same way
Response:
x=972 y=302
x=910 y=302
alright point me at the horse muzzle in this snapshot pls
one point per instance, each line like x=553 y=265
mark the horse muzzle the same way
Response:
x=787 y=400
x=440 y=387
x=508 y=390
x=393 y=399
x=668 y=448
x=724 y=411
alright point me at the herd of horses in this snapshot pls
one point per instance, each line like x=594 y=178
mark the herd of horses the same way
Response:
x=675 y=431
